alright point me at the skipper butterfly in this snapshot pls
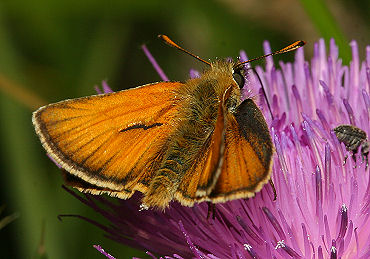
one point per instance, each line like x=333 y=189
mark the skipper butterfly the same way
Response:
x=191 y=142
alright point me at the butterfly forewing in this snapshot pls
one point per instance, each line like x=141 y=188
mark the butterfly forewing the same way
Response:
x=113 y=140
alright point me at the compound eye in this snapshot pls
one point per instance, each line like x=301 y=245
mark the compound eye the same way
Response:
x=239 y=79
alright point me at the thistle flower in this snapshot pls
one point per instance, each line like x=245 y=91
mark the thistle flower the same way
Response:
x=322 y=207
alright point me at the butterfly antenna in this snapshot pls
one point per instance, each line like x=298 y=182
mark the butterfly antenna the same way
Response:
x=167 y=40
x=289 y=48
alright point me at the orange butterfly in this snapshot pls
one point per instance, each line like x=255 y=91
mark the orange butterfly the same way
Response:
x=194 y=141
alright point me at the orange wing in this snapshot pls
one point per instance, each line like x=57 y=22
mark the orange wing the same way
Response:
x=247 y=157
x=112 y=141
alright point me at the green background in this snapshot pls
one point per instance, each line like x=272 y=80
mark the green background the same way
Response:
x=54 y=50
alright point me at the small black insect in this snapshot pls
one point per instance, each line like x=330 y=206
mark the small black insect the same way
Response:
x=353 y=137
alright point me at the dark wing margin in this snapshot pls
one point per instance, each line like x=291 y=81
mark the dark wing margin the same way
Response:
x=254 y=129
x=247 y=157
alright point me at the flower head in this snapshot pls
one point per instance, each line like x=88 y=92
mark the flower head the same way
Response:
x=323 y=206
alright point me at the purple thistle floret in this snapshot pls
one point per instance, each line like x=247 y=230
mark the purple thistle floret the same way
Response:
x=102 y=251
x=322 y=207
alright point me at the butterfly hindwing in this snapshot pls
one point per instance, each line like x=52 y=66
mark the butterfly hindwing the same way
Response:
x=112 y=141
x=247 y=157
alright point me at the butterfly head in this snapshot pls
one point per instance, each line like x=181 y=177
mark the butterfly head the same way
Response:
x=226 y=82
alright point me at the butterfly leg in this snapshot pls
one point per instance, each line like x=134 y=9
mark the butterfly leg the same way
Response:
x=211 y=209
x=273 y=188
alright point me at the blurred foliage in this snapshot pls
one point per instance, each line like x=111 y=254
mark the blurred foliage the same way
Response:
x=53 y=50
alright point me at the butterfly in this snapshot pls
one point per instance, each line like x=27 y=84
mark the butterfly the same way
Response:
x=191 y=142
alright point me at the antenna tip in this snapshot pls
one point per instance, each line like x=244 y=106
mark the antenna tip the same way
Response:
x=301 y=43
x=167 y=40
